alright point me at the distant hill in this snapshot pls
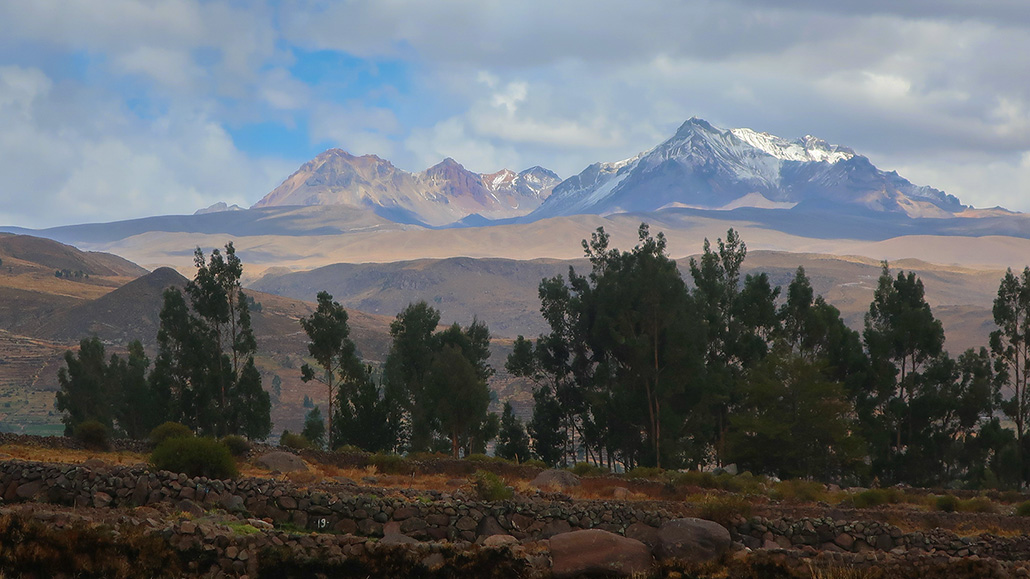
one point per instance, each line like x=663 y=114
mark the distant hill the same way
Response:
x=503 y=292
x=29 y=251
x=127 y=313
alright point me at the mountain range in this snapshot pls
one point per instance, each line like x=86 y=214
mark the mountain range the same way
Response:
x=442 y=194
x=701 y=166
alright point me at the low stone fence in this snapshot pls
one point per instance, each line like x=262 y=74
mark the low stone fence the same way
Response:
x=826 y=534
x=455 y=516
x=331 y=507
x=123 y=444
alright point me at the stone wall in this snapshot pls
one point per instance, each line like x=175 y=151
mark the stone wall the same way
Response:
x=456 y=516
x=345 y=508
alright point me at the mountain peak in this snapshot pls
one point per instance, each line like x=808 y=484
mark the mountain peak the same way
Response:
x=693 y=124
x=704 y=166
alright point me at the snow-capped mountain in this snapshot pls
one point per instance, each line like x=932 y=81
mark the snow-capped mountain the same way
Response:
x=442 y=194
x=707 y=167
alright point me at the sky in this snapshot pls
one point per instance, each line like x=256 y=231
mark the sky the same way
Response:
x=117 y=109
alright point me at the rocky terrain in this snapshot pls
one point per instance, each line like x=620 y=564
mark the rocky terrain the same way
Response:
x=294 y=515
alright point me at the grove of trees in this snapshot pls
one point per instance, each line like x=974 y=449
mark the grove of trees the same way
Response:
x=204 y=376
x=641 y=366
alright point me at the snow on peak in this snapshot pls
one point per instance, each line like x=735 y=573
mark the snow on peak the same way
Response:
x=803 y=150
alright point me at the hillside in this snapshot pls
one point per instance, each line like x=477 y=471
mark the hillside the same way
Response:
x=503 y=292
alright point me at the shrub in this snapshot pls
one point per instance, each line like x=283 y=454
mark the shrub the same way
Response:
x=92 y=434
x=977 y=505
x=947 y=503
x=195 y=457
x=692 y=478
x=491 y=487
x=723 y=509
x=237 y=445
x=294 y=441
x=587 y=469
x=535 y=463
x=350 y=449
x=648 y=472
x=875 y=497
x=798 y=490
x=390 y=463
x=1023 y=509
x=169 y=430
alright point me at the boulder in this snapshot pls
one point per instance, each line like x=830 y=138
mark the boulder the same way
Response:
x=692 y=540
x=554 y=478
x=644 y=533
x=398 y=539
x=281 y=461
x=500 y=541
x=488 y=527
x=594 y=551
x=556 y=527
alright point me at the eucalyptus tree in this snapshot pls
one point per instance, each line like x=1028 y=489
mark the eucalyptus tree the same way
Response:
x=1010 y=345
x=206 y=350
x=331 y=347
x=903 y=338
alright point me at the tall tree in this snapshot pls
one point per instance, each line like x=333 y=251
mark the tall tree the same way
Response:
x=902 y=336
x=439 y=379
x=512 y=441
x=206 y=352
x=86 y=390
x=330 y=345
x=1010 y=346
x=793 y=421
x=314 y=428
x=407 y=365
x=138 y=409
x=459 y=394
x=366 y=418
x=716 y=277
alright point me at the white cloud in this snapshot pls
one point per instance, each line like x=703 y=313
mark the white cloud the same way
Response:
x=112 y=165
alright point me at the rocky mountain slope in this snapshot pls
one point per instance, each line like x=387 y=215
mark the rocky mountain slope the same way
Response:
x=707 y=167
x=442 y=194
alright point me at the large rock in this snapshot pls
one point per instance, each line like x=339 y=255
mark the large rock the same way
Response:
x=281 y=461
x=555 y=478
x=692 y=540
x=594 y=551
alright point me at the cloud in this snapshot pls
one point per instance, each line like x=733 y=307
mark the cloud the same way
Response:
x=934 y=87
x=110 y=164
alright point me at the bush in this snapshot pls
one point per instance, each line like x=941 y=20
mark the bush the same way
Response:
x=875 y=497
x=647 y=472
x=390 y=463
x=723 y=509
x=947 y=503
x=491 y=487
x=1023 y=509
x=798 y=490
x=587 y=469
x=692 y=478
x=977 y=505
x=92 y=434
x=169 y=430
x=195 y=457
x=350 y=449
x=535 y=463
x=294 y=441
x=237 y=445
